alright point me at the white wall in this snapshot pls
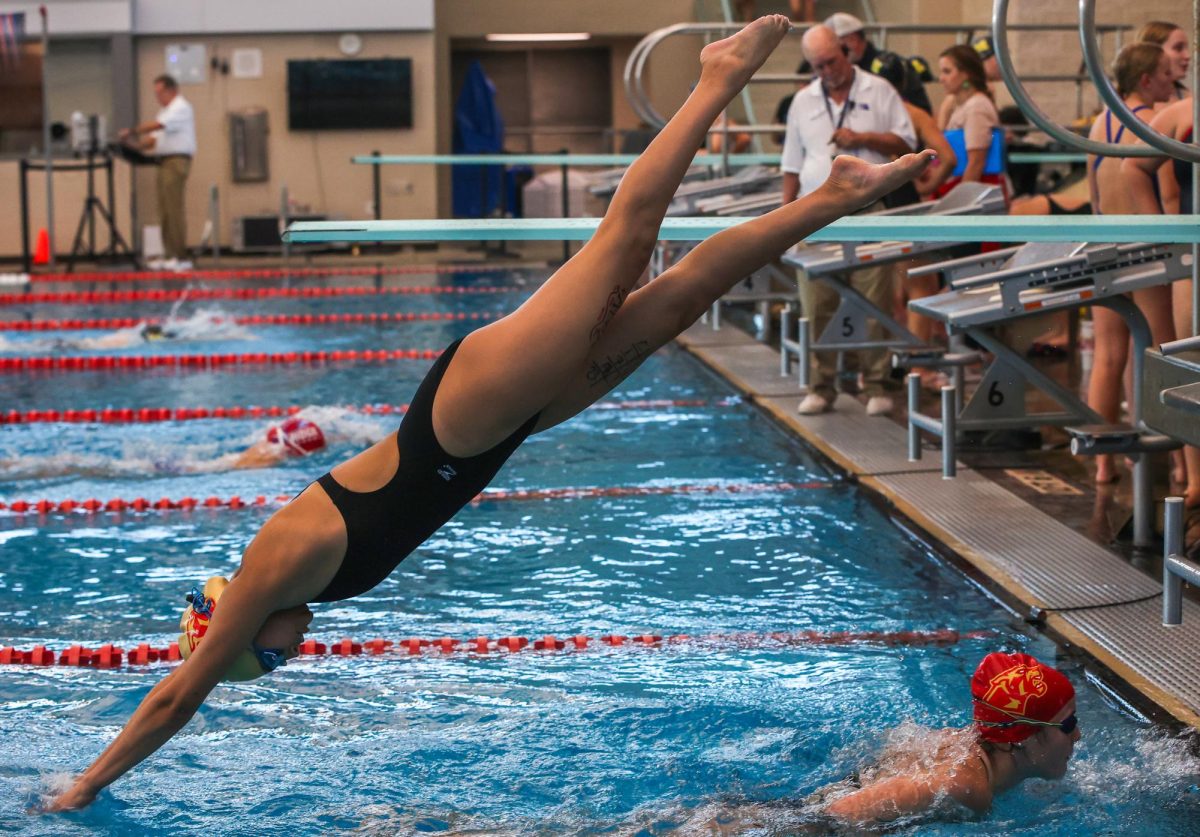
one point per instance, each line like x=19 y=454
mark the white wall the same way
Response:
x=75 y=17
x=168 y=17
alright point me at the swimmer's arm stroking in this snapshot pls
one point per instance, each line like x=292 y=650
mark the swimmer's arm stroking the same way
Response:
x=883 y=801
x=901 y=796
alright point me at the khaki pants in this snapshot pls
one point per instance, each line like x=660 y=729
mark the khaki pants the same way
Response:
x=819 y=302
x=172 y=177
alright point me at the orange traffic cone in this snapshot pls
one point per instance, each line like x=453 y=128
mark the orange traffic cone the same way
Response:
x=41 y=254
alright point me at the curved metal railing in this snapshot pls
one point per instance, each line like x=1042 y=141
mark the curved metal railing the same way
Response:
x=635 y=65
x=1000 y=29
x=1095 y=66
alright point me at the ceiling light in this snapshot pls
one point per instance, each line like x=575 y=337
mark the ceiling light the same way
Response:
x=542 y=36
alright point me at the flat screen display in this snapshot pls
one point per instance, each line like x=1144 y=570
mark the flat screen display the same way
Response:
x=349 y=95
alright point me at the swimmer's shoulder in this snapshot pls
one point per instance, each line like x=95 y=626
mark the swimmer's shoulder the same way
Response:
x=969 y=781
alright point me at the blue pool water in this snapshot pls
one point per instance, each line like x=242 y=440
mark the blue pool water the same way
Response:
x=609 y=740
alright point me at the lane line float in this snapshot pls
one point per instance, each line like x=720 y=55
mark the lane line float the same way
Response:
x=111 y=655
x=93 y=505
x=91 y=363
x=110 y=297
x=261 y=273
x=113 y=323
x=153 y=415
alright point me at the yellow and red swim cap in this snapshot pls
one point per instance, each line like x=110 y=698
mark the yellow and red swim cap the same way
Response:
x=1009 y=688
x=194 y=625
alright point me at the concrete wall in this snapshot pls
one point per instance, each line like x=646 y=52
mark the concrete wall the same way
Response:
x=616 y=23
x=315 y=165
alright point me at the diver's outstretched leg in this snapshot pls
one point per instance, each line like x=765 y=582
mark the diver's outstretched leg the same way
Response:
x=509 y=370
x=658 y=312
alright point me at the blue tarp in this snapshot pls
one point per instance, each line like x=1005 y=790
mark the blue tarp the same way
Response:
x=478 y=129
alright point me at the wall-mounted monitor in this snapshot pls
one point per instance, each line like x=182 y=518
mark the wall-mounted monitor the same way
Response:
x=350 y=95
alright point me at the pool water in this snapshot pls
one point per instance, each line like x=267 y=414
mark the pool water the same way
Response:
x=605 y=740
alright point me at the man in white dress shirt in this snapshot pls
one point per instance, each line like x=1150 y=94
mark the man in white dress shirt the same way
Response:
x=171 y=137
x=844 y=110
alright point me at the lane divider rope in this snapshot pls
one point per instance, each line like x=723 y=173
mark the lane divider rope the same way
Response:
x=260 y=273
x=89 y=363
x=253 y=319
x=92 y=505
x=152 y=415
x=109 y=655
x=109 y=297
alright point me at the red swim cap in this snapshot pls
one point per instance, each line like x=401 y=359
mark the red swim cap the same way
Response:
x=1009 y=687
x=300 y=436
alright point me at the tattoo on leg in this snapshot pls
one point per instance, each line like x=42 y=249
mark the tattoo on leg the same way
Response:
x=613 y=368
x=611 y=306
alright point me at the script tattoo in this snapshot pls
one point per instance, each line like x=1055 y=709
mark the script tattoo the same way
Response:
x=613 y=368
x=611 y=306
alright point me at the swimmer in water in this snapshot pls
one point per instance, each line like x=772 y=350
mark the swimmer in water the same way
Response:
x=292 y=437
x=576 y=338
x=312 y=430
x=1024 y=727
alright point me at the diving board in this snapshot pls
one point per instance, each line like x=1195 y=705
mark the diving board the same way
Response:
x=714 y=160
x=1150 y=229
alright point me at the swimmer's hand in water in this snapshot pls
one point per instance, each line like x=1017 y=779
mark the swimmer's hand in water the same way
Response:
x=78 y=795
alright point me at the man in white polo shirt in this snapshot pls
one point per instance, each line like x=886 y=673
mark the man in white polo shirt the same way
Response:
x=171 y=137
x=844 y=110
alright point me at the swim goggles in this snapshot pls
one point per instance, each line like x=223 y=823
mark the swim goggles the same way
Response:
x=1067 y=724
x=269 y=658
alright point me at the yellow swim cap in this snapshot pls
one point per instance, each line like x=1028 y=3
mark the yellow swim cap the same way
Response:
x=194 y=625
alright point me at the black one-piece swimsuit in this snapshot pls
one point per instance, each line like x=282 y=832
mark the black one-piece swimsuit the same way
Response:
x=430 y=486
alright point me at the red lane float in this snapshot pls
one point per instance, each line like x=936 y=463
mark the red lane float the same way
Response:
x=260 y=273
x=254 y=319
x=92 y=363
x=111 y=655
x=93 y=506
x=111 y=297
x=152 y=415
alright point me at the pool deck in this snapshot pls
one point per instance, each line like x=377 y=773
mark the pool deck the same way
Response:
x=1025 y=556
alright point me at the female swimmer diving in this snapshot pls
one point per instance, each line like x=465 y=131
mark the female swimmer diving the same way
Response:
x=576 y=338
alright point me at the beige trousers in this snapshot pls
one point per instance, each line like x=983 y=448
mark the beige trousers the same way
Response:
x=819 y=302
x=172 y=178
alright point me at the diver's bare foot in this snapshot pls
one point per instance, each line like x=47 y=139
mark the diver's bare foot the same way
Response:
x=731 y=61
x=863 y=183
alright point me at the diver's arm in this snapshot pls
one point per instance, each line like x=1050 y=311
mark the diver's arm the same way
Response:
x=289 y=562
x=173 y=702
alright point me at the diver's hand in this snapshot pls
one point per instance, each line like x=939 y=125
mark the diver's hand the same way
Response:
x=79 y=796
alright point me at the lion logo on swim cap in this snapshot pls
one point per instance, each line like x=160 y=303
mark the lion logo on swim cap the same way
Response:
x=1013 y=688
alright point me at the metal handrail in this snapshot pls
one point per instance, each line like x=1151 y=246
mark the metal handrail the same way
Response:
x=634 y=73
x=1091 y=56
x=1000 y=29
x=1187 y=344
x=1176 y=568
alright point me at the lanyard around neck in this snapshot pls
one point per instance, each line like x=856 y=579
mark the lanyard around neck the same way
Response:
x=846 y=107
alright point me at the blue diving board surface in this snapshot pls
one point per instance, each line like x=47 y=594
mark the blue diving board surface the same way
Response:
x=1152 y=229
x=713 y=160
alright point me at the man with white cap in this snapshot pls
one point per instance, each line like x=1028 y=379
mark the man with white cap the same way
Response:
x=862 y=53
x=843 y=111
